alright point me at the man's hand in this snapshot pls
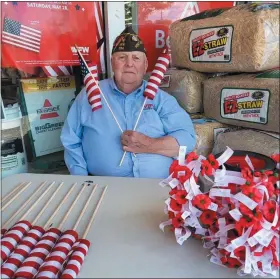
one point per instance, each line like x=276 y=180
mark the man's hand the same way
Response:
x=135 y=142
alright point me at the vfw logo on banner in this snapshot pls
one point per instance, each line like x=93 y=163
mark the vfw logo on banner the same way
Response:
x=47 y=103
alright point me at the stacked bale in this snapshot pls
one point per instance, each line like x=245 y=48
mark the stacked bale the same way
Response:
x=185 y=86
x=206 y=129
x=244 y=38
x=233 y=41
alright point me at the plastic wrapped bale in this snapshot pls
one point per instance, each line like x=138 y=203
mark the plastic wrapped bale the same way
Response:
x=185 y=86
x=205 y=129
x=244 y=38
x=246 y=100
x=248 y=140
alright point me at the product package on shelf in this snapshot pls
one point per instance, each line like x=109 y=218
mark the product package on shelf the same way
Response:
x=250 y=140
x=185 y=86
x=244 y=38
x=205 y=129
x=247 y=100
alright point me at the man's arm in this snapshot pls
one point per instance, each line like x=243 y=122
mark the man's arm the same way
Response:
x=178 y=127
x=71 y=139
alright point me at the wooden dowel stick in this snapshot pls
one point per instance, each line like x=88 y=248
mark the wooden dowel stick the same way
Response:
x=87 y=228
x=15 y=196
x=71 y=207
x=24 y=205
x=135 y=126
x=85 y=207
x=59 y=206
x=11 y=193
x=47 y=203
x=94 y=212
x=37 y=201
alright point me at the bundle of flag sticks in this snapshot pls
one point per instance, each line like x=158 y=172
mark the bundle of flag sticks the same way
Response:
x=32 y=251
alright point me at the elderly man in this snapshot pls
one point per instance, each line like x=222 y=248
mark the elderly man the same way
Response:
x=93 y=142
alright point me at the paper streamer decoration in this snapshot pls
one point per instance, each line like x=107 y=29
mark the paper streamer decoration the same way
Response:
x=12 y=238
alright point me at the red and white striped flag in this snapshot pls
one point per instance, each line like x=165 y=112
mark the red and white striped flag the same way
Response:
x=93 y=69
x=22 y=251
x=12 y=238
x=32 y=263
x=76 y=260
x=3 y=231
x=157 y=76
x=53 y=263
x=92 y=88
x=17 y=34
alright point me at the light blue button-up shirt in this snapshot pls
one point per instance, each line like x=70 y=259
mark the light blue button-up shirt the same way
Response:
x=92 y=140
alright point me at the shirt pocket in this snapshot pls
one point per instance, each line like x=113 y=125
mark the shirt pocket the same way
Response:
x=151 y=124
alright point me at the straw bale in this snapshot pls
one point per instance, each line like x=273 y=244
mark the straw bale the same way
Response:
x=248 y=140
x=185 y=86
x=253 y=45
x=217 y=90
x=204 y=129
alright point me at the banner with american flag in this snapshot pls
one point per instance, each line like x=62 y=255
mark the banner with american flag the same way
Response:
x=17 y=34
x=43 y=35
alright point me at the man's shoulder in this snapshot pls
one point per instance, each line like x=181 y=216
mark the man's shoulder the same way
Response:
x=163 y=95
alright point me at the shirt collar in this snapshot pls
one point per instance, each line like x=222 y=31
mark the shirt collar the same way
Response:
x=138 y=91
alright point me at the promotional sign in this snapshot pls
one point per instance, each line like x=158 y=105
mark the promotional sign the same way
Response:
x=245 y=104
x=45 y=33
x=154 y=19
x=47 y=103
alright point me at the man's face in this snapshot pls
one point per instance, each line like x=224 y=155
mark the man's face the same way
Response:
x=129 y=67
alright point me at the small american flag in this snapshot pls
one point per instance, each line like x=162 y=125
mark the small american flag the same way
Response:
x=17 y=34
x=92 y=88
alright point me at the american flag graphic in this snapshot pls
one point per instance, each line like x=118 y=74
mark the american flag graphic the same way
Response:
x=92 y=88
x=56 y=71
x=17 y=34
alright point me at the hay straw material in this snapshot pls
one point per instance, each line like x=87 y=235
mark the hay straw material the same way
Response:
x=248 y=140
x=214 y=106
x=185 y=86
x=254 y=42
x=205 y=135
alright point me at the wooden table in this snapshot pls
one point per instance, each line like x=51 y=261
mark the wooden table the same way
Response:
x=125 y=237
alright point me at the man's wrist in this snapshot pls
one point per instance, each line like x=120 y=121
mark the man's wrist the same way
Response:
x=152 y=145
